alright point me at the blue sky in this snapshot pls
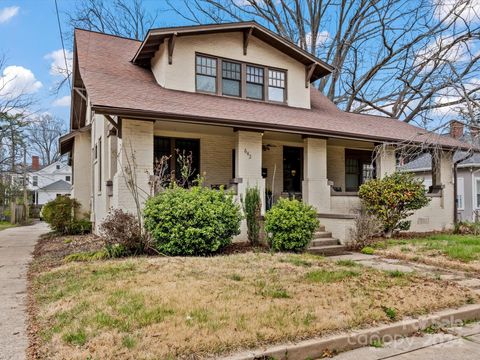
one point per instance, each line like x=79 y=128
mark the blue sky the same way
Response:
x=30 y=40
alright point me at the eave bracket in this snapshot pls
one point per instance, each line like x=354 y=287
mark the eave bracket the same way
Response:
x=171 y=46
x=309 y=73
x=246 y=39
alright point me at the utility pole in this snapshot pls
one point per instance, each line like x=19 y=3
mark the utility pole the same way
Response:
x=25 y=193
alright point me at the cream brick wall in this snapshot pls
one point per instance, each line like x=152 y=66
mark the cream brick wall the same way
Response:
x=336 y=165
x=180 y=75
x=135 y=147
x=82 y=171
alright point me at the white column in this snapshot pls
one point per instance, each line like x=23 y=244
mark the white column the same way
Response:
x=385 y=161
x=82 y=171
x=315 y=188
x=135 y=152
x=248 y=163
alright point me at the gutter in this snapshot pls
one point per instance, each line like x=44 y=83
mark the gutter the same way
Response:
x=155 y=115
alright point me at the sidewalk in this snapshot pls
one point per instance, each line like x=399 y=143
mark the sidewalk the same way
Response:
x=16 y=246
x=462 y=343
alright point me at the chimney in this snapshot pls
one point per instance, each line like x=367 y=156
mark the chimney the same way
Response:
x=35 y=163
x=456 y=129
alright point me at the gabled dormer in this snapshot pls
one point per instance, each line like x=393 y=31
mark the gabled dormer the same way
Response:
x=241 y=60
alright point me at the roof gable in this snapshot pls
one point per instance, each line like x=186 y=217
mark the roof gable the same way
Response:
x=155 y=38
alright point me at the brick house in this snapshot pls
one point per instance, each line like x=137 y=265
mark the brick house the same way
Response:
x=241 y=99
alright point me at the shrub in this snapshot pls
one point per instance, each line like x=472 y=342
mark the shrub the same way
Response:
x=393 y=199
x=61 y=213
x=251 y=208
x=367 y=250
x=195 y=221
x=467 y=228
x=365 y=229
x=122 y=234
x=290 y=225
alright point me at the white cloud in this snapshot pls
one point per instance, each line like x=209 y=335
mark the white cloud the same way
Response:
x=322 y=38
x=465 y=10
x=7 y=13
x=16 y=81
x=63 y=101
x=57 y=66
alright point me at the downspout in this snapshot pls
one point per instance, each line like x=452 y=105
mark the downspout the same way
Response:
x=455 y=190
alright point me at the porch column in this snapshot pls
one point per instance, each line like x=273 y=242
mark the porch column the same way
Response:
x=135 y=153
x=315 y=188
x=248 y=163
x=442 y=177
x=82 y=171
x=385 y=161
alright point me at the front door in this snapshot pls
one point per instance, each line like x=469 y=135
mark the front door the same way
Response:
x=292 y=169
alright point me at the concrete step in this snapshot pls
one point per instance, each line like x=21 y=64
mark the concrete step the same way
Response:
x=322 y=234
x=329 y=250
x=321 y=228
x=324 y=242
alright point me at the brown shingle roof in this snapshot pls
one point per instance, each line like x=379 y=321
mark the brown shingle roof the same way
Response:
x=118 y=87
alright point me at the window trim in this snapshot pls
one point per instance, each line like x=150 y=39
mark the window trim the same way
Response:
x=217 y=82
x=475 y=194
x=243 y=78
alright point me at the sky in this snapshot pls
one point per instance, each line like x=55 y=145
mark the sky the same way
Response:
x=30 y=40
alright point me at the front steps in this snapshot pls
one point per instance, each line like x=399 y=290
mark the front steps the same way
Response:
x=324 y=244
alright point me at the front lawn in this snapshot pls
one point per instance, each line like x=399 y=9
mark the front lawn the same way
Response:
x=6 y=224
x=173 y=307
x=445 y=250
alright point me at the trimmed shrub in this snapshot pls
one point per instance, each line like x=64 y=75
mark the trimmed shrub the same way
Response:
x=60 y=214
x=290 y=225
x=195 y=221
x=251 y=208
x=122 y=234
x=393 y=199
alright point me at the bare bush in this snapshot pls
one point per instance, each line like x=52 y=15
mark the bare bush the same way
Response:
x=366 y=229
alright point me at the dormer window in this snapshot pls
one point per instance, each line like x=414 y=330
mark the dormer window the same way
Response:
x=227 y=77
x=231 y=76
x=276 y=85
x=255 y=80
x=206 y=74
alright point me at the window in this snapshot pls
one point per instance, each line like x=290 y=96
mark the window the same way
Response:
x=255 y=80
x=35 y=180
x=67 y=178
x=427 y=182
x=99 y=149
x=231 y=76
x=58 y=167
x=358 y=168
x=276 y=85
x=206 y=70
x=460 y=193
x=171 y=147
x=477 y=192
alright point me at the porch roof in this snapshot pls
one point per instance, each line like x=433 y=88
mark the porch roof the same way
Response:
x=116 y=86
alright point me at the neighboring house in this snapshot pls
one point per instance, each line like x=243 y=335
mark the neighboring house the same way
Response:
x=241 y=99
x=50 y=181
x=468 y=175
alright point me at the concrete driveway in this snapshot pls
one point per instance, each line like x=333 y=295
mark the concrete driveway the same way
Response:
x=16 y=246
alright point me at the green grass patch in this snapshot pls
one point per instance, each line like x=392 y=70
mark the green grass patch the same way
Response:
x=5 y=225
x=297 y=261
x=87 y=256
x=75 y=337
x=347 y=263
x=367 y=250
x=330 y=276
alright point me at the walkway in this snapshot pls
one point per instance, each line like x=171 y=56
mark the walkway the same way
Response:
x=452 y=343
x=16 y=246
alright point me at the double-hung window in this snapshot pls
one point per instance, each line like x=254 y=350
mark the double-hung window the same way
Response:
x=477 y=193
x=276 y=85
x=231 y=78
x=206 y=74
x=255 y=80
x=460 y=193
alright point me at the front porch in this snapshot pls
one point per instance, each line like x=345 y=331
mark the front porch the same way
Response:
x=323 y=172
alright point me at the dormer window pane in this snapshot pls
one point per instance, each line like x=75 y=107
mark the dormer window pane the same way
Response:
x=206 y=72
x=276 y=85
x=231 y=76
x=255 y=80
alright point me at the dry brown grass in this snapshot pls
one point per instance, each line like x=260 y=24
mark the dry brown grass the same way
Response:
x=160 y=308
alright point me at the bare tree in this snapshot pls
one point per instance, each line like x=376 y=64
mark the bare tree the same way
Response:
x=398 y=58
x=43 y=133
x=127 y=18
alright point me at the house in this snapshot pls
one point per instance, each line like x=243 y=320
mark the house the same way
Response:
x=46 y=183
x=241 y=99
x=468 y=173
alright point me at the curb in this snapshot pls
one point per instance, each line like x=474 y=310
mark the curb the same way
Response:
x=315 y=348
